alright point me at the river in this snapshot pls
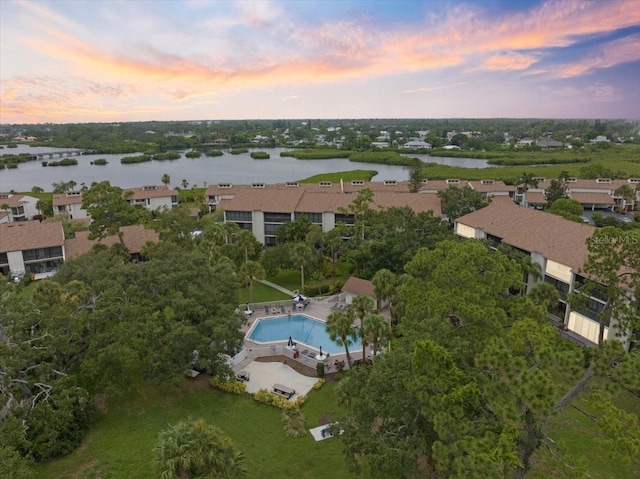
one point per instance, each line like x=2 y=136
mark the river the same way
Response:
x=238 y=169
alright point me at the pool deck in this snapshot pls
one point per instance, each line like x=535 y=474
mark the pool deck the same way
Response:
x=318 y=309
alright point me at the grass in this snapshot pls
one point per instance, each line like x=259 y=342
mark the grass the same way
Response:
x=122 y=441
x=261 y=294
x=576 y=433
x=349 y=176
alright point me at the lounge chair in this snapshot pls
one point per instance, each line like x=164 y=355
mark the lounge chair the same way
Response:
x=266 y=309
x=334 y=307
x=304 y=352
x=282 y=308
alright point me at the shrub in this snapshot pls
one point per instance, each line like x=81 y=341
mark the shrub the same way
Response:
x=265 y=397
x=193 y=154
x=229 y=386
x=293 y=423
x=213 y=153
x=239 y=151
x=260 y=155
x=99 y=162
x=320 y=369
x=318 y=384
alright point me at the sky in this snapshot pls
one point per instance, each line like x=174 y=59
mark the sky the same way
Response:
x=136 y=60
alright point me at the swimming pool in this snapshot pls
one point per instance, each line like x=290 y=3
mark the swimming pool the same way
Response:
x=303 y=329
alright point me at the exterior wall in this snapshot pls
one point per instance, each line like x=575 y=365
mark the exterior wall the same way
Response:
x=585 y=327
x=328 y=221
x=467 y=231
x=78 y=213
x=560 y=271
x=16 y=262
x=257 y=218
x=159 y=203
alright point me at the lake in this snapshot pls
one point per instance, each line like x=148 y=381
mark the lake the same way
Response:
x=238 y=169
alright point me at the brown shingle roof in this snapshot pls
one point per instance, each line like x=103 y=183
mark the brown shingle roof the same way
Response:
x=144 y=192
x=16 y=200
x=536 y=198
x=593 y=198
x=25 y=235
x=554 y=237
x=64 y=199
x=358 y=286
x=134 y=238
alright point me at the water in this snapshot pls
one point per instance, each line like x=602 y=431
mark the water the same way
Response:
x=238 y=169
x=303 y=329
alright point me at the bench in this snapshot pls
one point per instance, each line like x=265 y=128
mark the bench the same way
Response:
x=283 y=391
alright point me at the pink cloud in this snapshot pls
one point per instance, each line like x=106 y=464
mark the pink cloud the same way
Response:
x=618 y=51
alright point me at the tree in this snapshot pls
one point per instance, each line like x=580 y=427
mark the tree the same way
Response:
x=628 y=195
x=250 y=271
x=166 y=179
x=525 y=182
x=384 y=282
x=293 y=231
x=109 y=210
x=360 y=307
x=416 y=176
x=184 y=183
x=457 y=202
x=301 y=255
x=341 y=331
x=612 y=273
x=376 y=331
x=195 y=449
x=567 y=208
x=557 y=190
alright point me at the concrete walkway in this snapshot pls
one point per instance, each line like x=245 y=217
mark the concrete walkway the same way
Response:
x=276 y=286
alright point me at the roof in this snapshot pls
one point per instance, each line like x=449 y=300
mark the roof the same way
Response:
x=25 y=235
x=593 y=198
x=553 y=236
x=153 y=191
x=490 y=186
x=16 y=200
x=60 y=199
x=299 y=200
x=536 y=198
x=357 y=286
x=134 y=238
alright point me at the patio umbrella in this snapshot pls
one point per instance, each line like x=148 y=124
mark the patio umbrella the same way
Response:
x=290 y=343
x=299 y=297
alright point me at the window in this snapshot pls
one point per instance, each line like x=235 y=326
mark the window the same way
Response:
x=346 y=219
x=292 y=184
x=560 y=286
x=590 y=309
x=325 y=184
x=42 y=253
x=3 y=258
x=277 y=217
x=238 y=215
x=357 y=183
x=315 y=218
x=270 y=229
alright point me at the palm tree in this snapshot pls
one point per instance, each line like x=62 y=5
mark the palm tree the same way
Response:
x=384 y=282
x=166 y=179
x=301 y=254
x=527 y=180
x=250 y=271
x=196 y=449
x=361 y=306
x=245 y=239
x=377 y=330
x=185 y=183
x=341 y=330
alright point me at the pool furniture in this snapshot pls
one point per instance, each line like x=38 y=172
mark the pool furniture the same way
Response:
x=243 y=375
x=283 y=391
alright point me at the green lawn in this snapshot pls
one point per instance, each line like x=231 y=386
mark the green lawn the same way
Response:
x=261 y=294
x=576 y=433
x=121 y=443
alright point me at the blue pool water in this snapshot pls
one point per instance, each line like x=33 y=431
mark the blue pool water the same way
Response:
x=303 y=329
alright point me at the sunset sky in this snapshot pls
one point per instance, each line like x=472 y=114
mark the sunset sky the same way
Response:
x=102 y=61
